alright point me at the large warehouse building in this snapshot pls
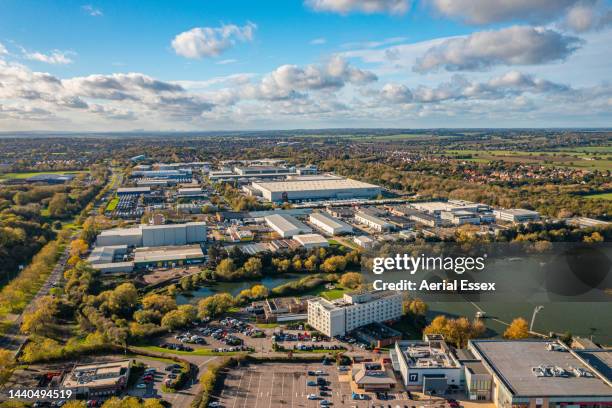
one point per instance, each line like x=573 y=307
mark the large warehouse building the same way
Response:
x=329 y=224
x=286 y=226
x=154 y=235
x=316 y=189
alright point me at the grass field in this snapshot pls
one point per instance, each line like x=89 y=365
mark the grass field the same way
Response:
x=112 y=204
x=600 y=196
x=589 y=158
x=14 y=176
x=333 y=294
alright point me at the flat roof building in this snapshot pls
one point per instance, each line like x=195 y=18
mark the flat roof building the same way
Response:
x=190 y=192
x=364 y=241
x=516 y=215
x=133 y=190
x=167 y=255
x=286 y=226
x=309 y=241
x=316 y=189
x=329 y=224
x=338 y=317
x=374 y=222
x=154 y=235
x=98 y=380
x=427 y=366
x=538 y=373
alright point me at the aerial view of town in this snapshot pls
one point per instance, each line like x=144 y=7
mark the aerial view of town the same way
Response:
x=306 y=203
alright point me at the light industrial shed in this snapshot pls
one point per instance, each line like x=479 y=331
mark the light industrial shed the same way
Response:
x=287 y=226
x=325 y=188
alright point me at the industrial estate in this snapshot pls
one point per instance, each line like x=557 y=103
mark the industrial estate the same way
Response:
x=238 y=282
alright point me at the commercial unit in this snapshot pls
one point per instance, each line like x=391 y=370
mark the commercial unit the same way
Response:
x=516 y=215
x=191 y=192
x=163 y=174
x=585 y=222
x=286 y=226
x=336 y=318
x=316 y=189
x=309 y=241
x=133 y=190
x=263 y=171
x=98 y=380
x=106 y=254
x=372 y=377
x=329 y=224
x=364 y=241
x=541 y=374
x=460 y=217
x=427 y=366
x=168 y=256
x=154 y=235
x=376 y=223
x=51 y=178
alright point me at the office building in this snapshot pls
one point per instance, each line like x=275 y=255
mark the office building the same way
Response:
x=516 y=215
x=427 y=366
x=338 y=317
x=286 y=226
x=374 y=222
x=329 y=224
x=323 y=188
x=154 y=235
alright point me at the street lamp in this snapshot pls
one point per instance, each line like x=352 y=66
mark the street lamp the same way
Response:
x=536 y=310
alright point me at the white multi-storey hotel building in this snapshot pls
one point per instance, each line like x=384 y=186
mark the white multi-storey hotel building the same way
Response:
x=336 y=318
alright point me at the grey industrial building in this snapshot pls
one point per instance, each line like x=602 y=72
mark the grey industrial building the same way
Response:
x=286 y=226
x=154 y=235
x=318 y=188
x=329 y=224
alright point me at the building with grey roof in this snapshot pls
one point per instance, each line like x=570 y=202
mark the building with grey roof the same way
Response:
x=316 y=189
x=286 y=226
x=540 y=373
x=329 y=224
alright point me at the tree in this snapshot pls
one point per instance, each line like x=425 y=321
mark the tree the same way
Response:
x=161 y=303
x=123 y=299
x=253 y=266
x=259 y=292
x=518 y=329
x=78 y=247
x=334 y=264
x=350 y=280
x=225 y=268
x=58 y=206
x=455 y=331
x=214 y=306
x=415 y=307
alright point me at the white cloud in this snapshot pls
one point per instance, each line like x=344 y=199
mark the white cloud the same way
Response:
x=516 y=45
x=588 y=16
x=55 y=57
x=92 y=11
x=495 y=11
x=227 y=61
x=510 y=84
x=290 y=81
x=203 y=42
x=363 y=6
x=318 y=41
x=3 y=50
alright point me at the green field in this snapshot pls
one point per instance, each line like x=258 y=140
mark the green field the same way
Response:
x=600 y=196
x=112 y=204
x=19 y=176
x=591 y=158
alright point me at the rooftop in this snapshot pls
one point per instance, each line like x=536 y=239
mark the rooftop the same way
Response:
x=329 y=220
x=311 y=239
x=318 y=184
x=286 y=222
x=517 y=364
x=167 y=253
x=98 y=375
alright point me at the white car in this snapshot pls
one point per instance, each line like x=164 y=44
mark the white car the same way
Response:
x=312 y=396
x=141 y=385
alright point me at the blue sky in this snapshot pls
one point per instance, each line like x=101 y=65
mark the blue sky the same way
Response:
x=190 y=65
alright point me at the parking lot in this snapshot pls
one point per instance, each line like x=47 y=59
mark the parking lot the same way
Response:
x=267 y=385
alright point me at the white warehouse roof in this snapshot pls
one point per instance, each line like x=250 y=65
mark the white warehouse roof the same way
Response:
x=333 y=225
x=317 y=184
x=286 y=225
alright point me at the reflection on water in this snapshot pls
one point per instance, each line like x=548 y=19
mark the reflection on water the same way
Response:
x=233 y=288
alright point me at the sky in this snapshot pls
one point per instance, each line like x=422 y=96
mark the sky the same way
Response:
x=287 y=64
